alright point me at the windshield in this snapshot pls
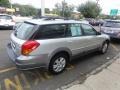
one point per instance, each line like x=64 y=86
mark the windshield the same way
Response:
x=112 y=24
x=5 y=17
x=24 y=31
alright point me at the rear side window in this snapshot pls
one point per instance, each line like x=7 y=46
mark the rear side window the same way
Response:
x=24 y=31
x=74 y=30
x=50 y=31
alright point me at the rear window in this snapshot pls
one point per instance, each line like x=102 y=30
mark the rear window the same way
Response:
x=113 y=24
x=24 y=31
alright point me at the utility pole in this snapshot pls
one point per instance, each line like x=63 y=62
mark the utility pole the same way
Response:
x=42 y=7
x=11 y=6
x=97 y=1
x=63 y=7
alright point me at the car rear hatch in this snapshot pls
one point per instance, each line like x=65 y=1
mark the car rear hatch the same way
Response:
x=21 y=34
x=111 y=27
x=110 y=30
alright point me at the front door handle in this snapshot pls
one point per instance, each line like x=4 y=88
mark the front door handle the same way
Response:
x=70 y=41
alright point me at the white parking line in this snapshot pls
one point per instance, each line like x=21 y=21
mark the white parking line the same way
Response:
x=7 y=69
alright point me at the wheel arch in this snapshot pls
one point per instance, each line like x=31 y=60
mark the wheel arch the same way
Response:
x=58 y=51
x=107 y=40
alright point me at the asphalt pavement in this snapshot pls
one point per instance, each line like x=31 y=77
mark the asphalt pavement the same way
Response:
x=37 y=79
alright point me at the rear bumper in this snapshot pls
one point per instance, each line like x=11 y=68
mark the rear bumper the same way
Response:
x=27 y=62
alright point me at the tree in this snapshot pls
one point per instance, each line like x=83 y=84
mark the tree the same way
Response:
x=63 y=9
x=47 y=10
x=4 y=3
x=26 y=10
x=89 y=9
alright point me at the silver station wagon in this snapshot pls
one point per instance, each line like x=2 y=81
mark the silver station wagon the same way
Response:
x=51 y=44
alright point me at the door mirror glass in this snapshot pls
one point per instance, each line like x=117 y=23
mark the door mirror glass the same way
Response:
x=98 y=33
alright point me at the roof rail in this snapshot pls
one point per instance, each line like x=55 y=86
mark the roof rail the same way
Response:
x=48 y=17
x=52 y=18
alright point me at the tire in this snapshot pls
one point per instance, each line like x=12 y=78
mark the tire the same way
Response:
x=104 y=48
x=58 y=63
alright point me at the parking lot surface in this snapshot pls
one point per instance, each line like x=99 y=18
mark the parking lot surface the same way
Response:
x=13 y=79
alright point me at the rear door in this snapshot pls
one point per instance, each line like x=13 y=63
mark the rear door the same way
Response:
x=75 y=39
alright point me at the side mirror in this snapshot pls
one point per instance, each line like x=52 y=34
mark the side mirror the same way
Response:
x=98 y=33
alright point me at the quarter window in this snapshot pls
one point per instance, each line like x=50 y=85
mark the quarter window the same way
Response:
x=50 y=31
x=88 y=30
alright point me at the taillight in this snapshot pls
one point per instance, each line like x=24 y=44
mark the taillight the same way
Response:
x=29 y=46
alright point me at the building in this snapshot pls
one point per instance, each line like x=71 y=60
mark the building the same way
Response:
x=6 y=10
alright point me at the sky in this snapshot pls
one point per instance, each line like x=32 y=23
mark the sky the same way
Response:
x=106 y=5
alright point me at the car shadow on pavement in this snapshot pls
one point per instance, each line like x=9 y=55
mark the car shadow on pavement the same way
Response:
x=115 y=41
x=2 y=29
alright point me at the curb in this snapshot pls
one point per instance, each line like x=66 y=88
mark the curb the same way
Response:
x=97 y=70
